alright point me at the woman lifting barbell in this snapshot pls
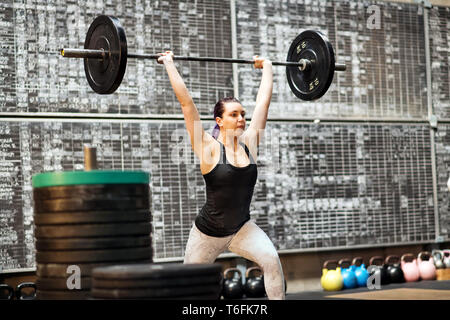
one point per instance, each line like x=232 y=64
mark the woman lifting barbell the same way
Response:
x=224 y=221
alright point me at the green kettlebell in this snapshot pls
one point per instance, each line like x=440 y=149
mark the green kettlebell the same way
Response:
x=331 y=280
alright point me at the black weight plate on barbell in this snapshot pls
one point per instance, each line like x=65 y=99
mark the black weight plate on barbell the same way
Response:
x=154 y=292
x=149 y=271
x=92 y=256
x=104 y=76
x=92 y=243
x=311 y=84
x=94 y=191
x=92 y=230
x=70 y=218
x=59 y=270
x=176 y=281
x=63 y=294
x=70 y=205
x=61 y=283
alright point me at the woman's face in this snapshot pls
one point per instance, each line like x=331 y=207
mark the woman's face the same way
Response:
x=233 y=119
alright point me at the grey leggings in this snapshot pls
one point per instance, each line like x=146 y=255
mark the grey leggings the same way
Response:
x=249 y=242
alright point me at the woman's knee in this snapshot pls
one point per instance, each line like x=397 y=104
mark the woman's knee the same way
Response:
x=270 y=261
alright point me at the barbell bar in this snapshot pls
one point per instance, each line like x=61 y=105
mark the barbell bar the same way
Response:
x=310 y=62
x=303 y=64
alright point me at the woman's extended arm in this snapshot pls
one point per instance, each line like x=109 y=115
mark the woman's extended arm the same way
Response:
x=181 y=92
x=259 y=117
x=190 y=112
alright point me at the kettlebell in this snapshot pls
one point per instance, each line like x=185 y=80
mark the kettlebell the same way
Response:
x=427 y=270
x=378 y=269
x=438 y=258
x=348 y=274
x=331 y=280
x=20 y=287
x=394 y=270
x=9 y=290
x=254 y=285
x=446 y=258
x=361 y=273
x=410 y=269
x=232 y=286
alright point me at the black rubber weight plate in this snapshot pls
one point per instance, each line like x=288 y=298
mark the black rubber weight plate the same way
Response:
x=92 y=243
x=157 y=283
x=63 y=295
x=145 y=271
x=59 y=270
x=89 y=256
x=70 y=205
x=105 y=76
x=95 y=191
x=311 y=84
x=207 y=296
x=204 y=296
x=93 y=230
x=92 y=217
x=61 y=283
x=155 y=293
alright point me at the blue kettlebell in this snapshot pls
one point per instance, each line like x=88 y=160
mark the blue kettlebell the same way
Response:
x=361 y=272
x=348 y=274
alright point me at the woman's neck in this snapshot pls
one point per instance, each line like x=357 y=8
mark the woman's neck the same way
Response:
x=231 y=143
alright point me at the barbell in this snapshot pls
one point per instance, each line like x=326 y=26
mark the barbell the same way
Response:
x=310 y=64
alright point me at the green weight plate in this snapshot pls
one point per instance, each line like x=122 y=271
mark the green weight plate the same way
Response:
x=90 y=256
x=62 y=294
x=92 y=243
x=156 y=283
x=92 y=191
x=59 y=270
x=145 y=271
x=104 y=76
x=62 y=218
x=92 y=230
x=311 y=84
x=61 y=283
x=154 y=293
x=70 y=205
x=68 y=178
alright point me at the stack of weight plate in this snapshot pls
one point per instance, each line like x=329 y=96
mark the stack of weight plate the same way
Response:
x=158 y=281
x=87 y=219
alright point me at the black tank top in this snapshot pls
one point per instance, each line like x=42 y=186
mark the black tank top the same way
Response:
x=229 y=191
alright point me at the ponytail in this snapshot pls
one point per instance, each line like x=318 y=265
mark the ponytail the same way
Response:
x=215 y=132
